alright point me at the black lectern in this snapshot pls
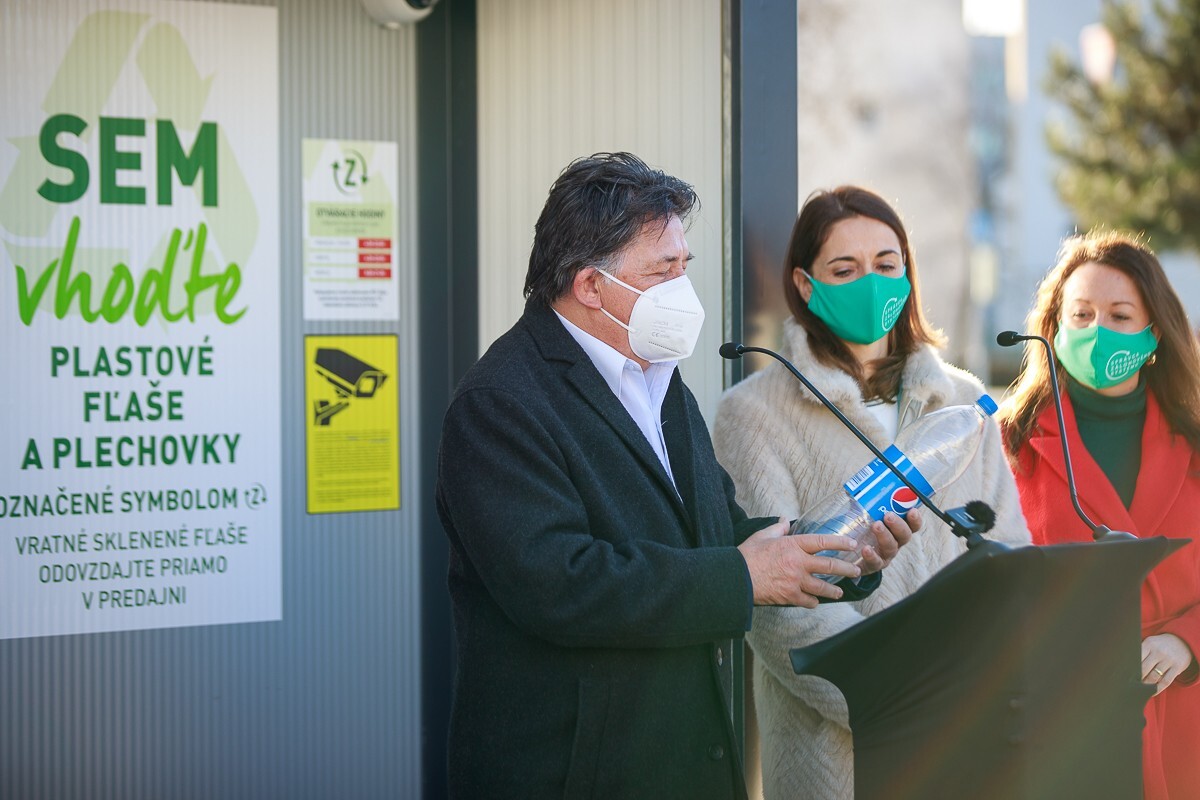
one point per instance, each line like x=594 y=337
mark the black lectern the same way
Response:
x=1010 y=674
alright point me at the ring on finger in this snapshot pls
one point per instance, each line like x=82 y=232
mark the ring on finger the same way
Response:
x=1161 y=673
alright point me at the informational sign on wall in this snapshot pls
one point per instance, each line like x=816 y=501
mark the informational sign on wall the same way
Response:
x=350 y=230
x=139 y=325
x=353 y=428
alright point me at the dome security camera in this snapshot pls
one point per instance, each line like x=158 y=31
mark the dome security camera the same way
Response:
x=392 y=14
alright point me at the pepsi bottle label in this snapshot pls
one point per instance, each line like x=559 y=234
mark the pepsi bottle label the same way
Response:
x=879 y=491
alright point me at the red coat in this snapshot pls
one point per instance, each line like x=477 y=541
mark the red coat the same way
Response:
x=1166 y=502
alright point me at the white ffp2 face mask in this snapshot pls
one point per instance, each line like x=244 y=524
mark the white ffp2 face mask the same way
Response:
x=665 y=322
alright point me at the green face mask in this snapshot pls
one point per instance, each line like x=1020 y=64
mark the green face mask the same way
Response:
x=862 y=311
x=1099 y=357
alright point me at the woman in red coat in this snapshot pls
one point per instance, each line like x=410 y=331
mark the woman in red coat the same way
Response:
x=1130 y=371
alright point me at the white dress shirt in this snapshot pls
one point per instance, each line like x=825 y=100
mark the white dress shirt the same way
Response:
x=640 y=391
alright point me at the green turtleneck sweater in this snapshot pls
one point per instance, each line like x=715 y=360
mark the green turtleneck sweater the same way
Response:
x=1111 y=429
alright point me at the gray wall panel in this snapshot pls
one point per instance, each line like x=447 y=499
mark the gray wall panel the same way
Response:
x=326 y=702
x=562 y=80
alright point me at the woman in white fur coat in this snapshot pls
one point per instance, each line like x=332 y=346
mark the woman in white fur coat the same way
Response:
x=858 y=333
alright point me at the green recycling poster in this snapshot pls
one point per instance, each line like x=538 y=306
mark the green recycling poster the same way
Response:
x=139 y=316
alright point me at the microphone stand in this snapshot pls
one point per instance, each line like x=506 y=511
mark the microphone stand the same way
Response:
x=1100 y=533
x=960 y=520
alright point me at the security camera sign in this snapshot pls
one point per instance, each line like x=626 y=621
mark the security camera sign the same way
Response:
x=352 y=429
x=139 y=316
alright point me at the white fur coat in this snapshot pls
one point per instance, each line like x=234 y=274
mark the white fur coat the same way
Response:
x=786 y=452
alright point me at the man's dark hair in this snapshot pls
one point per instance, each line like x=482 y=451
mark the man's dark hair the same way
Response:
x=596 y=208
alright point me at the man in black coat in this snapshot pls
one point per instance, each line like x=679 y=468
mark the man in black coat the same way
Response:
x=600 y=570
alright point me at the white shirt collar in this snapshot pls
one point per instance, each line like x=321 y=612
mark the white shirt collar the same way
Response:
x=640 y=392
x=611 y=363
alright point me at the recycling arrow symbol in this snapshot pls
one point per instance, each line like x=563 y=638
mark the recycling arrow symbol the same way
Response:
x=100 y=50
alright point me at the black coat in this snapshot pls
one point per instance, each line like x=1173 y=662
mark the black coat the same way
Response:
x=593 y=608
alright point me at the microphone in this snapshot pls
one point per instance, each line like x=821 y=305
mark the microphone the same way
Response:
x=731 y=350
x=1100 y=533
x=969 y=521
x=1009 y=338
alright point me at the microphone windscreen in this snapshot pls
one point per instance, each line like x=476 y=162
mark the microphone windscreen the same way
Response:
x=731 y=350
x=982 y=513
x=1008 y=338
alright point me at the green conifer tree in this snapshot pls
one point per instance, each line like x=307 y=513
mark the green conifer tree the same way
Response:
x=1130 y=155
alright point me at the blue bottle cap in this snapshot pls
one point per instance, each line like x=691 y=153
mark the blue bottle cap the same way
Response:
x=987 y=404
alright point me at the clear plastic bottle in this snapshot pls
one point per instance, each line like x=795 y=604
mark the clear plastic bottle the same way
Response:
x=933 y=452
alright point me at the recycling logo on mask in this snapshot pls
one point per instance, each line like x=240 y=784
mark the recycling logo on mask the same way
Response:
x=1123 y=362
x=891 y=312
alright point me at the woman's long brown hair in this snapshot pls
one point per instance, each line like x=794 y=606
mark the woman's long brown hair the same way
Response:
x=1173 y=374
x=821 y=211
